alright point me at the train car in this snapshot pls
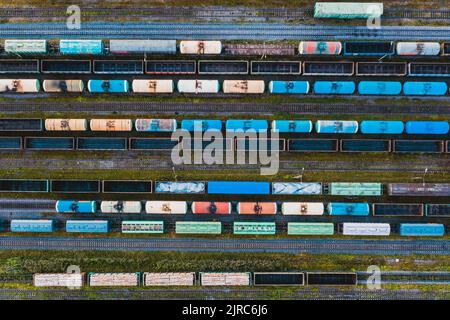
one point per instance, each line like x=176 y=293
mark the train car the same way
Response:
x=416 y=69
x=319 y=48
x=336 y=126
x=19 y=225
x=198 y=227
x=246 y=125
x=419 y=189
x=254 y=228
x=69 y=280
x=238 y=187
x=437 y=210
x=66 y=124
x=334 y=87
x=166 y=207
x=382 y=127
x=347 y=10
x=297 y=188
x=76 y=46
x=398 y=209
x=143 y=46
x=54 y=86
x=180 y=187
x=355 y=189
x=75 y=206
x=422 y=229
x=276 y=67
x=16 y=66
x=379 y=88
x=19 y=85
x=365 y=145
x=118 y=67
x=120 y=207
x=366 y=229
x=369 y=48
x=331 y=278
x=427 y=127
x=169 y=279
x=243 y=86
x=152 y=86
x=25 y=46
x=200 y=47
x=292 y=126
x=108 y=86
x=113 y=279
x=310 y=228
x=155 y=125
x=198 y=86
x=170 y=66
x=87 y=226
x=381 y=69
x=201 y=125
x=225 y=278
x=289 y=87
x=425 y=88
x=302 y=208
x=419 y=146
x=24 y=185
x=418 y=48
x=328 y=68
x=348 y=209
x=259 y=49
x=111 y=124
x=257 y=208
x=152 y=227
x=207 y=207
x=223 y=67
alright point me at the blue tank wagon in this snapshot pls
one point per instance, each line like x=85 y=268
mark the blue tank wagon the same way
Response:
x=381 y=127
x=427 y=127
x=201 y=125
x=87 y=226
x=75 y=206
x=334 y=87
x=336 y=126
x=246 y=125
x=292 y=126
x=32 y=225
x=425 y=88
x=422 y=230
x=380 y=88
x=108 y=86
x=289 y=87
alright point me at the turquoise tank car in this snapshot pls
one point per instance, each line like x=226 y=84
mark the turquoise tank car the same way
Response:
x=108 y=86
x=425 y=88
x=73 y=46
x=289 y=87
x=295 y=126
x=380 y=88
x=382 y=127
x=427 y=127
x=200 y=125
x=336 y=126
x=74 y=206
x=348 y=209
x=246 y=125
x=334 y=87
x=422 y=229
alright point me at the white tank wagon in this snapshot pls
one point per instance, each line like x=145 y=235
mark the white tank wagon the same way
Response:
x=152 y=86
x=121 y=207
x=302 y=208
x=155 y=125
x=169 y=279
x=366 y=229
x=418 y=48
x=66 y=124
x=200 y=47
x=243 y=86
x=19 y=85
x=198 y=86
x=166 y=207
x=225 y=278
x=58 y=279
x=111 y=124
x=113 y=279
x=63 y=86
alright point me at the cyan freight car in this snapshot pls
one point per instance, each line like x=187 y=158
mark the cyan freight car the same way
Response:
x=246 y=125
x=108 y=86
x=348 y=209
x=75 y=206
x=425 y=88
x=294 y=126
x=238 y=187
x=200 y=125
x=289 y=87
x=422 y=229
x=379 y=88
x=382 y=127
x=32 y=225
x=74 y=46
x=87 y=226
x=427 y=127
x=336 y=126
x=334 y=87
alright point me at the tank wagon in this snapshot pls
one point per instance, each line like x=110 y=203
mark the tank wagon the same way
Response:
x=334 y=87
x=319 y=48
x=54 y=86
x=348 y=209
x=336 y=126
x=76 y=206
x=289 y=87
x=198 y=86
x=66 y=124
x=302 y=208
x=111 y=124
x=418 y=48
x=108 y=86
x=19 y=85
x=121 y=207
x=153 y=86
x=155 y=125
x=201 y=125
x=379 y=88
x=257 y=208
x=205 y=207
x=166 y=207
x=243 y=86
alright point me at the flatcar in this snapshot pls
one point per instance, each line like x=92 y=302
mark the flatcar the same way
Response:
x=206 y=207
x=200 y=47
x=289 y=87
x=302 y=208
x=418 y=48
x=111 y=124
x=166 y=207
x=25 y=46
x=319 y=48
x=75 y=206
x=108 y=86
x=243 y=86
x=63 y=86
x=77 y=46
x=152 y=86
x=121 y=206
x=66 y=124
x=257 y=208
x=19 y=85
x=198 y=86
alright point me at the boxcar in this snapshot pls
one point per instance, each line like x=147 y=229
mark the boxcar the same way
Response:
x=75 y=206
x=348 y=209
x=143 y=46
x=425 y=88
x=198 y=227
x=156 y=125
x=18 y=225
x=243 y=86
x=366 y=229
x=71 y=280
x=111 y=124
x=334 y=87
x=169 y=279
x=19 y=85
x=292 y=126
x=302 y=208
x=108 y=86
x=355 y=189
x=251 y=228
x=152 y=86
x=66 y=124
x=320 y=47
x=368 y=48
x=166 y=207
x=200 y=47
x=142 y=226
x=347 y=10
x=397 y=209
x=238 y=187
x=74 y=46
x=257 y=208
x=179 y=187
x=310 y=228
x=198 y=86
x=289 y=87
x=206 y=207
x=63 y=85
x=87 y=226
x=427 y=127
x=201 y=125
x=380 y=88
x=418 y=48
x=422 y=229
x=419 y=189
x=297 y=188
x=246 y=125
x=437 y=210
x=225 y=278
x=113 y=279
x=22 y=46
x=336 y=126
x=121 y=207
x=382 y=127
